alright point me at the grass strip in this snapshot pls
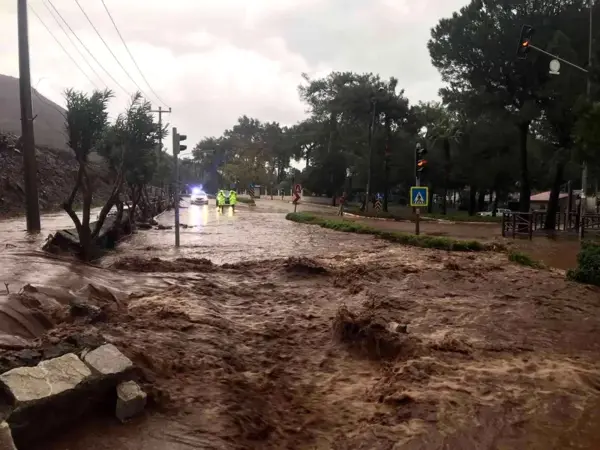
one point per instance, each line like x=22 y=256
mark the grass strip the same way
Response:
x=435 y=242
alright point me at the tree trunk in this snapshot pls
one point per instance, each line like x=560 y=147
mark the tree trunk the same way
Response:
x=447 y=169
x=525 y=190
x=430 y=199
x=85 y=236
x=554 y=196
x=495 y=204
x=481 y=200
x=472 y=200
x=386 y=189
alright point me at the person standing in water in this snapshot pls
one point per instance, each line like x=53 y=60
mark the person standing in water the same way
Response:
x=233 y=199
x=221 y=200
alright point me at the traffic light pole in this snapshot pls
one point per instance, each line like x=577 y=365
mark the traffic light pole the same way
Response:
x=584 y=166
x=417 y=183
x=176 y=184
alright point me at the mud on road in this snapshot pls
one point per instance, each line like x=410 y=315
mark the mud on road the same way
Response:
x=299 y=354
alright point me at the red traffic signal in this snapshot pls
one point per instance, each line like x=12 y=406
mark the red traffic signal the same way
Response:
x=420 y=160
x=525 y=41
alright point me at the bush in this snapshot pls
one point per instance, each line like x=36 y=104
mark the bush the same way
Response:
x=525 y=260
x=588 y=264
x=436 y=242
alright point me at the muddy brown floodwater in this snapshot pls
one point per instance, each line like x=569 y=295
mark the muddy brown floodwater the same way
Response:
x=298 y=352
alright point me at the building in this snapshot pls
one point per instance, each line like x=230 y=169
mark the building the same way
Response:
x=539 y=202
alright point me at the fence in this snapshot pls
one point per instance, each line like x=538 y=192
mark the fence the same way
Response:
x=518 y=224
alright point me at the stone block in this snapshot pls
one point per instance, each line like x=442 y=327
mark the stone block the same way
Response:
x=131 y=400
x=48 y=378
x=6 y=440
x=108 y=360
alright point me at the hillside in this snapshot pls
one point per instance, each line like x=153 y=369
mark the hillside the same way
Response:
x=49 y=124
x=56 y=164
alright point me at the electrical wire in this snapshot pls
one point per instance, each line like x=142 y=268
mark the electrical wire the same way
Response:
x=131 y=55
x=73 y=44
x=62 y=46
x=109 y=49
x=87 y=49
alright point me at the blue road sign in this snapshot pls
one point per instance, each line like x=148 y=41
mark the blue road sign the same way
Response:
x=419 y=196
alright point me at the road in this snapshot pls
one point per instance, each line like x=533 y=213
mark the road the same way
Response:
x=251 y=233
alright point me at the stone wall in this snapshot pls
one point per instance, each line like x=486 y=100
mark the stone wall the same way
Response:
x=40 y=400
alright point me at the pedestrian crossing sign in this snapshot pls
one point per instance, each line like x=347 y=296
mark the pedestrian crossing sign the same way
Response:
x=419 y=196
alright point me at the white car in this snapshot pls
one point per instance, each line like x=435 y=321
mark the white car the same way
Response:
x=199 y=197
x=499 y=212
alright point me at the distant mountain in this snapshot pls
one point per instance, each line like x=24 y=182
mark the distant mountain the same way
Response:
x=49 y=124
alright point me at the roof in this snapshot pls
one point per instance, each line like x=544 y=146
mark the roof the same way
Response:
x=545 y=196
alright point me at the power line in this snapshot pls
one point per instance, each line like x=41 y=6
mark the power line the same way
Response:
x=74 y=44
x=131 y=56
x=87 y=49
x=62 y=46
x=109 y=49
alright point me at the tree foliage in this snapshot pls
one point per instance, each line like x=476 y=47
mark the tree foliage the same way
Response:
x=128 y=147
x=504 y=127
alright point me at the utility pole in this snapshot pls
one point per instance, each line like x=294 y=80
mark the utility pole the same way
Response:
x=160 y=112
x=27 y=136
x=177 y=148
x=584 y=168
x=371 y=140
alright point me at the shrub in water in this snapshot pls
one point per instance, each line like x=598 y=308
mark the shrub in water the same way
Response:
x=588 y=264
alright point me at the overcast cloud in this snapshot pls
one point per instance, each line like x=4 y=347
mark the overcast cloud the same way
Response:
x=212 y=61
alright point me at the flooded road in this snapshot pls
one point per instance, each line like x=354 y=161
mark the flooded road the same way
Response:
x=248 y=234
x=246 y=356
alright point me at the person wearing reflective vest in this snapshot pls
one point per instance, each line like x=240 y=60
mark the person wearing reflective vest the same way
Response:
x=221 y=200
x=232 y=199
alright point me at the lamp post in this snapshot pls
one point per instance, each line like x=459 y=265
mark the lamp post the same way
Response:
x=584 y=168
x=371 y=143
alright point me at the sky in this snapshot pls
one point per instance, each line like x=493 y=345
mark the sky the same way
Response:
x=213 y=61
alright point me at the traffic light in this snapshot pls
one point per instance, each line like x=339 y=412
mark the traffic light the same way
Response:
x=177 y=139
x=525 y=41
x=420 y=160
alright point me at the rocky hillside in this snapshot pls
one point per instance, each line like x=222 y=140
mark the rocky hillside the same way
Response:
x=56 y=171
x=56 y=164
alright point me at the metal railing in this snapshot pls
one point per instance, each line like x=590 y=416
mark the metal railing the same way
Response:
x=519 y=224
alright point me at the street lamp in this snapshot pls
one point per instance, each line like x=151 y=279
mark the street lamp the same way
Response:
x=371 y=143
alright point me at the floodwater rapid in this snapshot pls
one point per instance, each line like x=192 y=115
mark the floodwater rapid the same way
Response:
x=260 y=333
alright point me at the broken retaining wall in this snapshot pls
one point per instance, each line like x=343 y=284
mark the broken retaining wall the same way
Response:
x=39 y=401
